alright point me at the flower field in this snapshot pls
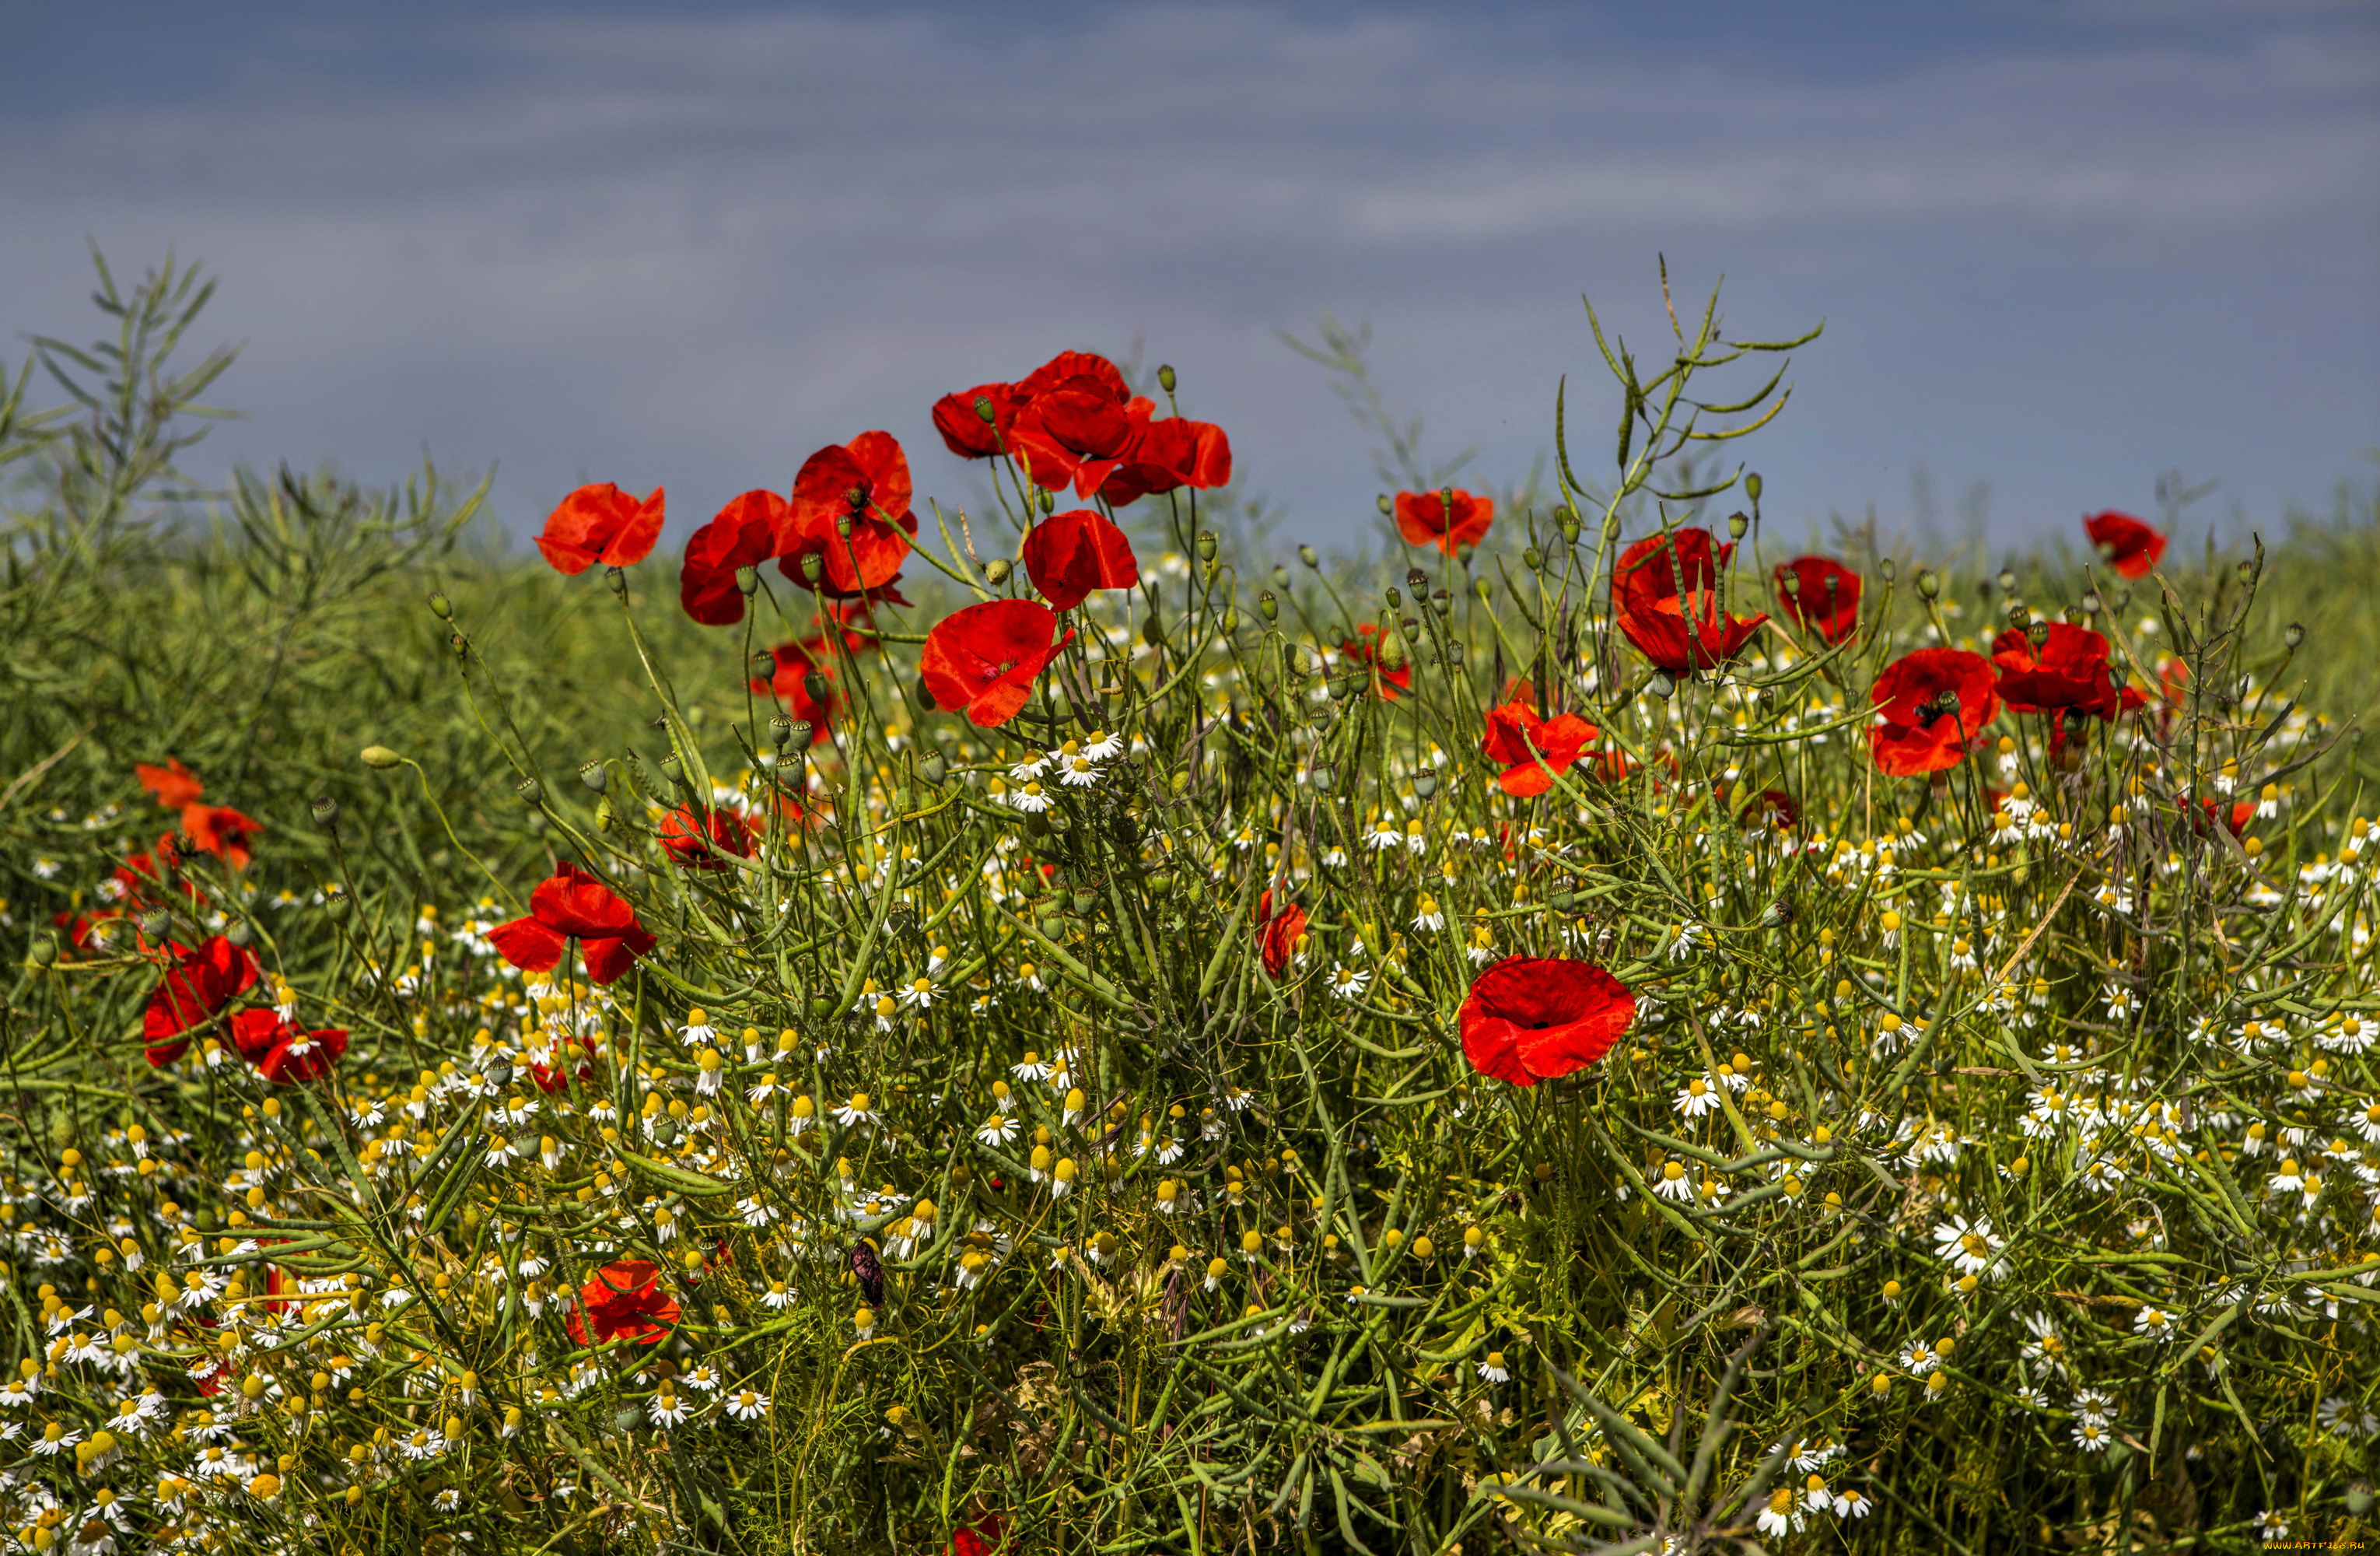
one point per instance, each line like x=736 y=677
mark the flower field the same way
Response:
x=1034 y=1024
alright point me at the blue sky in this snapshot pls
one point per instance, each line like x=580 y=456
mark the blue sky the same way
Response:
x=2059 y=248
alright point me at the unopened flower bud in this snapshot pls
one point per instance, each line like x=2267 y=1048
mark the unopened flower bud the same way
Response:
x=1751 y=487
x=1738 y=524
x=996 y=571
x=1320 y=776
x=1046 y=500
x=1386 y=506
x=155 y=922
x=1268 y=605
x=925 y=694
x=1663 y=685
x=1533 y=559
x=380 y=756
x=1929 y=583
x=240 y=932
x=1886 y=570
x=1306 y=554
x=441 y=607
x=811 y=565
x=2092 y=603
x=45 y=952
x=985 y=411
x=1281 y=578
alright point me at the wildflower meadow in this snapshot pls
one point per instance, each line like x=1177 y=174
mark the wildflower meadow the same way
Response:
x=991 y=1004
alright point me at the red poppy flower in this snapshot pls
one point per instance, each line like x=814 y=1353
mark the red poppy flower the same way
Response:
x=1770 y=809
x=983 y=659
x=747 y=531
x=1425 y=519
x=866 y=481
x=2202 y=819
x=1171 y=453
x=1072 y=554
x=1820 y=595
x=1932 y=706
x=2129 y=546
x=1079 y=432
x=1676 y=641
x=284 y=1054
x=2068 y=672
x=1528 y=745
x=221 y=831
x=964 y=432
x=791 y=683
x=980 y=1538
x=174 y=784
x=1663 y=567
x=572 y=905
x=1533 y=1018
x=1364 y=648
x=197 y=986
x=694 y=842
x=623 y=1301
x=1278 y=934
x=600 y=524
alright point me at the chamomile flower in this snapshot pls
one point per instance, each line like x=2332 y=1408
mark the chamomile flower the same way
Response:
x=1493 y=1369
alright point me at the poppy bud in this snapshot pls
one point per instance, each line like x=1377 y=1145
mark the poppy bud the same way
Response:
x=1392 y=651
x=2293 y=635
x=1152 y=634
x=925 y=694
x=617 y=579
x=665 y=1131
x=1306 y=554
x=984 y=410
x=1443 y=601
x=440 y=607
x=1663 y=685
x=1737 y=524
x=530 y=790
x=1281 y=578
x=1165 y=379
x=1479 y=588
x=1268 y=605
x=241 y=933
x=1383 y=504
x=326 y=811
x=1886 y=570
x=811 y=563
x=1394 y=599
x=814 y=683
x=2006 y=581
x=594 y=775
x=380 y=756
x=1049 y=500
x=996 y=571
x=748 y=578
x=2038 y=633
x=934 y=769
x=45 y=950
x=155 y=922
x=1751 y=487
x=1533 y=559
x=798 y=733
x=1424 y=784
x=1567 y=520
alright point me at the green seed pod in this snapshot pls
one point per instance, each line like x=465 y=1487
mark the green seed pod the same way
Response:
x=1306 y=554
x=1479 y=586
x=1160 y=884
x=1386 y=506
x=814 y=683
x=1207 y=544
x=2093 y=604
x=1320 y=776
x=1567 y=520
x=1281 y=579
x=1454 y=653
x=155 y=922
x=1151 y=633
x=326 y=811
x=781 y=729
x=2293 y=635
x=1052 y=927
x=1929 y=585
x=811 y=565
x=996 y=571
x=1424 y=784
x=240 y=932
x=905 y=800
x=934 y=769
x=798 y=733
x=1533 y=559
x=335 y=904
x=1165 y=379
x=532 y=790
x=441 y=607
x=1268 y=605
x=1738 y=526
x=616 y=579
x=380 y=758
x=1049 y=500
x=1751 y=487
x=985 y=410
x=748 y=578
x=595 y=775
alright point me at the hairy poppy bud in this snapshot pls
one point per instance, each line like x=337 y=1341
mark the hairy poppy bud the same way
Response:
x=1479 y=588
x=1306 y=554
x=1663 y=685
x=1165 y=379
x=1929 y=585
x=1386 y=506
x=440 y=607
x=326 y=811
x=380 y=756
x=1751 y=487
x=2292 y=634
x=617 y=579
x=595 y=775
x=1392 y=651
x=1268 y=606
x=996 y=571
x=1737 y=524
x=748 y=578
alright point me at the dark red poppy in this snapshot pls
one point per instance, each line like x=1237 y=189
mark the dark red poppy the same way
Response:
x=1932 y=706
x=1533 y=1018
x=1664 y=566
x=1072 y=554
x=2068 y=672
x=959 y=418
x=2202 y=817
x=1077 y=433
x=221 y=831
x=1446 y=518
x=600 y=524
x=174 y=784
x=866 y=481
x=197 y=985
x=572 y=905
x=2129 y=546
x=695 y=842
x=623 y=1301
x=795 y=663
x=1167 y=453
x=1364 y=648
x=1689 y=632
x=1526 y=745
x=983 y=658
x=981 y=1538
x=747 y=531
x=282 y=1054
x=1820 y=595
x=1278 y=934
x=1771 y=810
